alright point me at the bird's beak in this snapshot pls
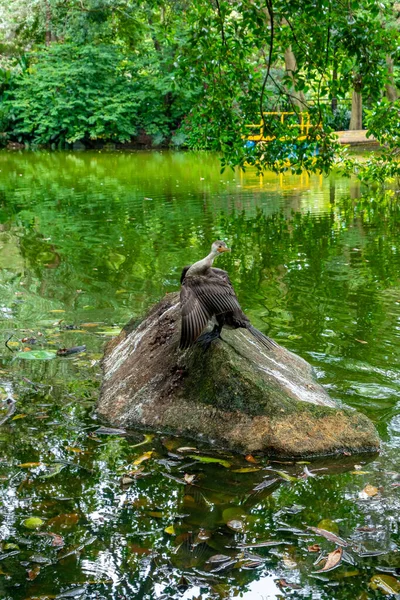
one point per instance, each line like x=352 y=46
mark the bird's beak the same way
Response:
x=224 y=249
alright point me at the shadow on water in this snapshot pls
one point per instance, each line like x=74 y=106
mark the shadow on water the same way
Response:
x=89 y=241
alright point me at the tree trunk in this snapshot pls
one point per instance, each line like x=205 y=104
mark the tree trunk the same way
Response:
x=391 y=91
x=297 y=98
x=356 y=109
x=48 y=24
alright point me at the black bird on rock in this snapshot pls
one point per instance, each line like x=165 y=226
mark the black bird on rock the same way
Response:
x=206 y=293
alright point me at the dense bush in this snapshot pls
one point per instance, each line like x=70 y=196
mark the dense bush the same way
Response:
x=74 y=93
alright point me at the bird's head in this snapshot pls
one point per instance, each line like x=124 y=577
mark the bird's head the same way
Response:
x=218 y=247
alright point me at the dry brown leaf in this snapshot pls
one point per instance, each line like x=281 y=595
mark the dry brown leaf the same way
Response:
x=250 y=458
x=329 y=536
x=314 y=548
x=333 y=560
x=370 y=490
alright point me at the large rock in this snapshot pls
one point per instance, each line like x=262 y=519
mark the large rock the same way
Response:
x=237 y=394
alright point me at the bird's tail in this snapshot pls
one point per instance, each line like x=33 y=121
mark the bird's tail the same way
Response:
x=263 y=339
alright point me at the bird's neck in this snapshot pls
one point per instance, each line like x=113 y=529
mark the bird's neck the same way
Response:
x=201 y=266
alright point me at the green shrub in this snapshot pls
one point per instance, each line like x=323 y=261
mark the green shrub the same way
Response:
x=72 y=93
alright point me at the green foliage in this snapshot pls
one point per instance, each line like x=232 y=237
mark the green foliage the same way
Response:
x=75 y=93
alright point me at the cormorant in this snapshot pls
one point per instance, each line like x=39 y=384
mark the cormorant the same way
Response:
x=207 y=292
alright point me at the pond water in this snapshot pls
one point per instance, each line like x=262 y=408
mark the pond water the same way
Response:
x=89 y=240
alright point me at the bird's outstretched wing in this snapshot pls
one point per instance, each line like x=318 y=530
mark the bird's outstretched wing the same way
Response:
x=195 y=316
x=203 y=297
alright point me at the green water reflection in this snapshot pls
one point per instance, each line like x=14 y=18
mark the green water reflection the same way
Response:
x=88 y=240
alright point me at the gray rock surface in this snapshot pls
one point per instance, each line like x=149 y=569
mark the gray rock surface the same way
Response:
x=237 y=394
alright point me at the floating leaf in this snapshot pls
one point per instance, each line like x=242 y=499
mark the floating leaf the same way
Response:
x=329 y=525
x=218 y=558
x=333 y=560
x=385 y=583
x=33 y=523
x=314 y=548
x=329 y=536
x=148 y=437
x=250 y=458
x=189 y=478
x=37 y=355
x=285 y=476
x=236 y=525
x=246 y=470
x=170 y=530
x=210 y=459
x=145 y=456
x=265 y=484
x=369 y=491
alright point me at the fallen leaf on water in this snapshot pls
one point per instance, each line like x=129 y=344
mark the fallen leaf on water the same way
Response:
x=368 y=491
x=170 y=530
x=329 y=536
x=328 y=525
x=33 y=523
x=218 y=558
x=20 y=416
x=189 y=478
x=246 y=470
x=143 y=457
x=250 y=458
x=236 y=525
x=385 y=583
x=333 y=560
x=33 y=573
x=265 y=484
x=147 y=439
x=314 y=548
x=285 y=476
x=210 y=459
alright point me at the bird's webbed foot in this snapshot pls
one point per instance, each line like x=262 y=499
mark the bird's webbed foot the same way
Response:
x=205 y=340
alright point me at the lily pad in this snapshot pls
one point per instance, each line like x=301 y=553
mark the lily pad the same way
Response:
x=37 y=355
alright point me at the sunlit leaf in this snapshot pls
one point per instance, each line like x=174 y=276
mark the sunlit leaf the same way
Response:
x=170 y=530
x=30 y=465
x=143 y=457
x=148 y=437
x=369 y=491
x=33 y=522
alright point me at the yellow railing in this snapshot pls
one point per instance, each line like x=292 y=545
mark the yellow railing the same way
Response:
x=303 y=126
